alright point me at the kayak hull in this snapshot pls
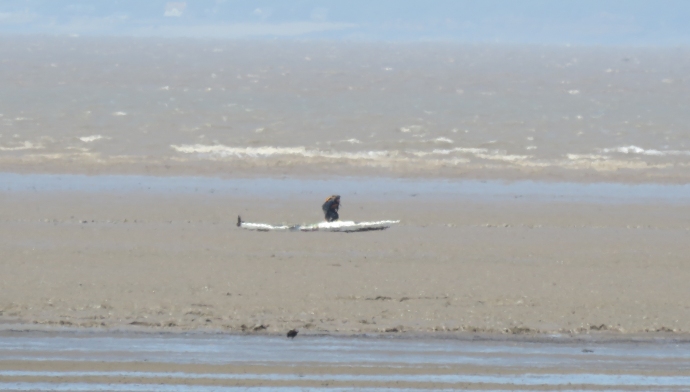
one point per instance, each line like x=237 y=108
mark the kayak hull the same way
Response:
x=337 y=226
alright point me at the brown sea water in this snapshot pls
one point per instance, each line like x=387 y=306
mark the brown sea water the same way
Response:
x=244 y=107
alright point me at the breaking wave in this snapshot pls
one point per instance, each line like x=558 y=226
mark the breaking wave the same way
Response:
x=92 y=138
x=642 y=151
x=23 y=146
x=222 y=151
x=602 y=160
x=466 y=156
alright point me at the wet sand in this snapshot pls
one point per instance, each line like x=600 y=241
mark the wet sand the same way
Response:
x=212 y=362
x=517 y=261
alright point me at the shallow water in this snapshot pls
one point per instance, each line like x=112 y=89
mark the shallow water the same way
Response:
x=221 y=349
x=363 y=187
x=201 y=388
x=31 y=361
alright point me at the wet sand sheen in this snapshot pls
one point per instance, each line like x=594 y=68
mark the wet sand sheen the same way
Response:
x=76 y=361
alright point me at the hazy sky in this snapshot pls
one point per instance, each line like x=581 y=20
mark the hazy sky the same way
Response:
x=590 y=22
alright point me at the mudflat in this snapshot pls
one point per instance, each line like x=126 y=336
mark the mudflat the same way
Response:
x=176 y=261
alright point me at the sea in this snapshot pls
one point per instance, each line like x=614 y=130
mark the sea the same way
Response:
x=391 y=109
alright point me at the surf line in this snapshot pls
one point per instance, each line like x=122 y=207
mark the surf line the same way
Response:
x=336 y=226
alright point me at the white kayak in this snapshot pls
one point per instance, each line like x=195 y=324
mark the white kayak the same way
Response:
x=338 y=226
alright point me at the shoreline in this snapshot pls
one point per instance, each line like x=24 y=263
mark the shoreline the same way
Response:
x=596 y=337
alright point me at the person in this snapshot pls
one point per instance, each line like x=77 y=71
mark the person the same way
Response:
x=330 y=208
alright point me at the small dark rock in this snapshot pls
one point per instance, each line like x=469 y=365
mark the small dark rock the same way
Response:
x=292 y=333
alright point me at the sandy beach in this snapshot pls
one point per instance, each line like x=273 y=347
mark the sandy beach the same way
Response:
x=456 y=263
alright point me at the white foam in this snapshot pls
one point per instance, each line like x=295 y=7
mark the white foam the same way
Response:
x=642 y=151
x=352 y=141
x=89 y=139
x=461 y=150
x=604 y=164
x=595 y=157
x=443 y=140
x=27 y=145
x=477 y=152
x=504 y=157
x=466 y=150
x=222 y=151
x=600 y=160
x=119 y=114
x=411 y=128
